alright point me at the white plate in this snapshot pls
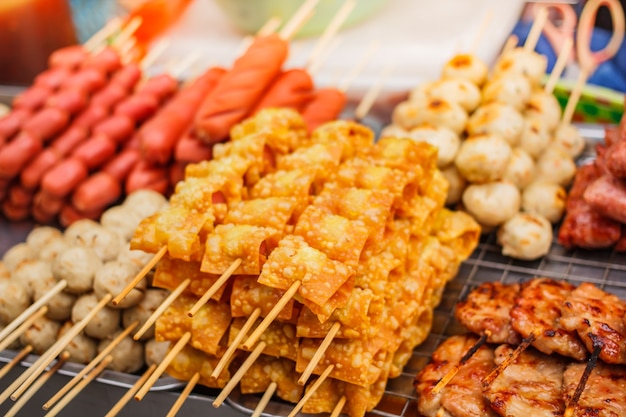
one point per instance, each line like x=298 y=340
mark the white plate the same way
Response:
x=416 y=37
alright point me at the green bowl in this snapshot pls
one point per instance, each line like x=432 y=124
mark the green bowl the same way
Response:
x=596 y=105
x=249 y=16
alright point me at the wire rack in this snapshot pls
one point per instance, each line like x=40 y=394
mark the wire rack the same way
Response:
x=606 y=269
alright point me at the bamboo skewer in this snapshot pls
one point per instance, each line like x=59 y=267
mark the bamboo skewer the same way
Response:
x=162 y=366
x=369 y=52
x=183 y=395
x=593 y=359
x=267 y=29
x=140 y=275
x=79 y=387
x=298 y=19
x=536 y=29
x=216 y=286
x=154 y=53
x=453 y=371
x=161 y=308
x=331 y=30
x=127 y=32
x=100 y=36
x=339 y=406
x=185 y=64
x=265 y=399
x=481 y=31
x=318 y=382
x=319 y=353
x=288 y=295
x=559 y=66
x=37 y=385
x=44 y=360
x=32 y=308
x=510 y=44
x=234 y=380
x=225 y=359
x=131 y=392
x=16 y=359
x=22 y=328
x=371 y=95
x=106 y=351
x=511 y=359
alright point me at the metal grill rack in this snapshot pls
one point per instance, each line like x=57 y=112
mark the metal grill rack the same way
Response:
x=606 y=269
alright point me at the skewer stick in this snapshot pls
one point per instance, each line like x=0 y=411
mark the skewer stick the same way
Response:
x=100 y=36
x=331 y=30
x=127 y=32
x=234 y=380
x=288 y=295
x=161 y=308
x=265 y=399
x=369 y=52
x=154 y=53
x=183 y=395
x=536 y=29
x=298 y=19
x=593 y=359
x=37 y=385
x=44 y=360
x=481 y=31
x=106 y=351
x=225 y=359
x=309 y=393
x=319 y=62
x=267 y=29
x=371 y=95
x=163 y=365
x=511 y=359
x=216 y=286
x=559 y=66
x=131 y=392
x=510 y=44
x=79 y=387
x=319 y=353
x=453 y=371
x=339 y=407
x=22 y=328
x=16 y=359
x=32 y=308
x=156 y=258
x=185 y=64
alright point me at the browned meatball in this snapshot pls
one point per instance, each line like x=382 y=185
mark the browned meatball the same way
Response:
x=144 y=309
x=41 y=335
x=127 y=356
x=104 y=323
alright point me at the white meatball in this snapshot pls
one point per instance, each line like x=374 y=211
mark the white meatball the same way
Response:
x=445 y=140
x=143 y=310
x=466 y=66
x=128 y=356
x=113 y=277
x=82 y=348
x=493 y=203
x=60 y=305
x=87 y=233
x=14 y=299
x=545 y=199
x=77 y=265
x=394 y=131
x=41 y=236
x=535 y=137
x=121 y=220
x=457 y=184
x=138 y=258
x=421 y=92
x=555 y=165
x=155 y=351
x=41 y=335
x=497 y=118
x=456 y=90
x=544 y=106
x=569 y=138
x=512 y=89
x=520 y=61
x=432 y=111
x=483 y=158
x=15 y=345
x=55 y=247
x=33 y=273
x=104 y=323
x=521 y=169
x=5 y=274
x=145 y=202
x=525 y=236
x=17 y=254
